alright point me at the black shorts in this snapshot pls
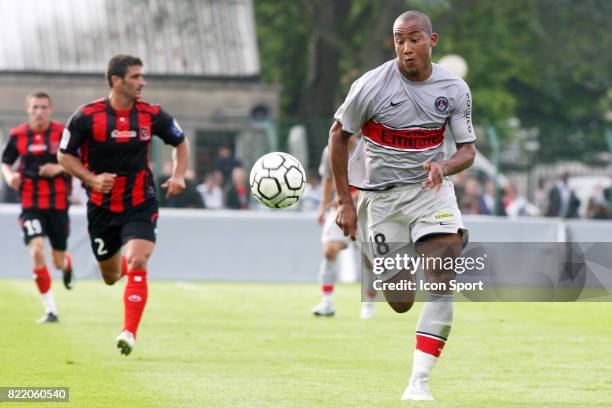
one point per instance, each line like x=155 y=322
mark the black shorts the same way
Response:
x=109 y=231
x=50 y=223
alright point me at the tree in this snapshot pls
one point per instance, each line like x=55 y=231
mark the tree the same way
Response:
x=543 y=61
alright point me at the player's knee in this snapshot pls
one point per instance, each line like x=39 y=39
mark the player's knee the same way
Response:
x=38 y=254
x=331 y=252
x=109 y=280
x=137 y=262
x=58 y=261
x=401 y=307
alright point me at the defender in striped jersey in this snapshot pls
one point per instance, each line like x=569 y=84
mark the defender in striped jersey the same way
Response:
x=44 y=189
x=107 y=144
x=407 y=203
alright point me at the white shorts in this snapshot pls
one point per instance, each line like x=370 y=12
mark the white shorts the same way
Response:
x=331 y=231
x=392 y=221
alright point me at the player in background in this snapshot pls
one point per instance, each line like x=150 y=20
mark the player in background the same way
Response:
x=406 y=199
x=334 y=241
x=44 y=190
x=106 y=145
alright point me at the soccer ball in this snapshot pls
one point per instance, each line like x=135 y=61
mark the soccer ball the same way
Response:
x=277 y=180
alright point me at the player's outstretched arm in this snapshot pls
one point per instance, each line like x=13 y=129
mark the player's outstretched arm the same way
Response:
x=338 y=154
x=180 y=161
x=102 y=183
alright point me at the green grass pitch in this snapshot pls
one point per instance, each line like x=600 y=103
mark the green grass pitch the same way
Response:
x=257 y=345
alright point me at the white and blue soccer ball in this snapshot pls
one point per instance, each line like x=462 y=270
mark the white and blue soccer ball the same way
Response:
x=277 y=180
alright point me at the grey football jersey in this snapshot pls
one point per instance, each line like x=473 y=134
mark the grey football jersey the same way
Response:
x=403 y=123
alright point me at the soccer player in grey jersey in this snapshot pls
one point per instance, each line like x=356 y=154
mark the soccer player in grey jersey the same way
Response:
x=402 y=108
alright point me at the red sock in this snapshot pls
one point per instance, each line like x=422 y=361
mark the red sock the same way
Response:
x=327 y=289
x=124 y=266
x=429 y=344
x=134 y=299
x=42 y=279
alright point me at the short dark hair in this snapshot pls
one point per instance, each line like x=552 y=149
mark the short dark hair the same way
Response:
x=415 y=15
x=118 y=66
x=38 y=94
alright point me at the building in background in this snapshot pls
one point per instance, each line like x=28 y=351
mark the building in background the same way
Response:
x=200 y=57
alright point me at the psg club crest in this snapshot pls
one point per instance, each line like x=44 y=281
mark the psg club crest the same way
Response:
x=145 y=133
x=441 y=104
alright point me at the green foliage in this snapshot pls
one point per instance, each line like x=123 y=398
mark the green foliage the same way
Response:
x=282 y=38
x=546 y=62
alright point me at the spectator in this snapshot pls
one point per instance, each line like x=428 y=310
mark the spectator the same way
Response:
x=598 y=206
x=311 y=198
x=473 y=202
x=459 y=183
x=226 y=163
x=540 y=197
x=562 y=201
x=211 y=191
x=607 y=193
x=489 y=197
x=517 y=205
x=237 y=193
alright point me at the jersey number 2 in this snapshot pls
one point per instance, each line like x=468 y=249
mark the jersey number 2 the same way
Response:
x=101 y=250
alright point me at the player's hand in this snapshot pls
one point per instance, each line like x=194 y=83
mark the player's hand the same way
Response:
x=175 y=186
x=436 y=175
x=321 y=216
x=103 y=182
x=347 y=219
x=15 y=181
x=49 y=170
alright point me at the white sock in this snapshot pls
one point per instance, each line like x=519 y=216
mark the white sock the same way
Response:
x=422 y=364
x=49 y=302
x=328 y=271
x=328 y=298
x=433 y=328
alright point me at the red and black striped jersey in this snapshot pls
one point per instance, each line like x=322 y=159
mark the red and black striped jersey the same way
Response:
x=35 y=149
x=119 y=142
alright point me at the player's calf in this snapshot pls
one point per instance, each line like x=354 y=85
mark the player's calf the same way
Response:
x=400 y=301
x=401 y=307
x=37 y=252
x=137 y=262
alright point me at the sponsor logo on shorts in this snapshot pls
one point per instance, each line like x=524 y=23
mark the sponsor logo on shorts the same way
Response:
x=444 y=216
x=134 y=298
x=441 y=104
